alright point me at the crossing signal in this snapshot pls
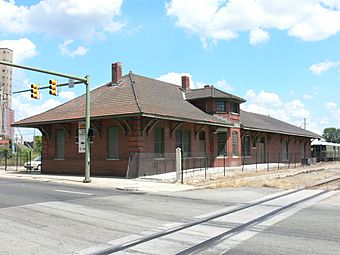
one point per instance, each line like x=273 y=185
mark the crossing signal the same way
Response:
x=53 y=87
x=35 y=91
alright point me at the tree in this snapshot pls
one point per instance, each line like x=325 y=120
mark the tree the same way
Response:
x=331 y=135
x=38 y=144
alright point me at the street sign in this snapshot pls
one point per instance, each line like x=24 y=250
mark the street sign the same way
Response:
x=81 y=136
x=70 y=83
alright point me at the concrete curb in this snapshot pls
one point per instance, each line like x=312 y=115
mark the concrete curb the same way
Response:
x=131 y=185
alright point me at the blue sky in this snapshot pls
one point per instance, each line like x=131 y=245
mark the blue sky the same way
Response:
x=283 y=57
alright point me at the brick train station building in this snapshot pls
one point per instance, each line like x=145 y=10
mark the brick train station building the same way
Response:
x=135 y=115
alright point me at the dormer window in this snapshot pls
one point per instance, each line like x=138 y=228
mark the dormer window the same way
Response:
x=235 y=108
x=221 y=106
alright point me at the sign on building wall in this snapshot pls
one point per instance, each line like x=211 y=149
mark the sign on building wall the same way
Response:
x=81 y=136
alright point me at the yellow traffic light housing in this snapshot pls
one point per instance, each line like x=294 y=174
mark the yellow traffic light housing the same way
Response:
x=35 y=91
x=53 y=87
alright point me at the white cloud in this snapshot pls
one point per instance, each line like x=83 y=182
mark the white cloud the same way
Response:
x=268 y=103
x=322 y=67
x=79 y=51
x=223 y=85
x=309 y=97
x=263 y=98
x=24 y=106
x=176 y=78
x=68 y=19
x=22 y=49
x=114 y=27
x=334 y=111
x=68 y=95
x=215 y=20
x=331 y=106
x=258 y=36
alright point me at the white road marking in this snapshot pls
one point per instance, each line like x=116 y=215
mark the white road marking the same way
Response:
x=73 y=192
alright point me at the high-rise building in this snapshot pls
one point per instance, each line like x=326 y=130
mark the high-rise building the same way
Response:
x=6 y=112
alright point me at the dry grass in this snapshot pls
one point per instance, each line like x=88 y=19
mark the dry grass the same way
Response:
x=283 y=179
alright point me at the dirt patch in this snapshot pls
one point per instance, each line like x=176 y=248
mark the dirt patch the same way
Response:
x=283 y=179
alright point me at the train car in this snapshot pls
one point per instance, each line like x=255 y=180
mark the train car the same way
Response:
x=325 y=151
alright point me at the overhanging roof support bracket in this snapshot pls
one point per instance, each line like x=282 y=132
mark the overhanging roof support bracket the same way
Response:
x=67 y=129
x=151 y=123
x=269 y=137
x=173 y=130
x=124 y=125
x=198 y=130
x=96 y=127
x=45 y=131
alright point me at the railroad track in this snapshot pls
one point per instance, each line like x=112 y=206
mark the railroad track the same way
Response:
x=198 y=236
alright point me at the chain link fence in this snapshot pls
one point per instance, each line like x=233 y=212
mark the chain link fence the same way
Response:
x=146 y=164
x=10 y=161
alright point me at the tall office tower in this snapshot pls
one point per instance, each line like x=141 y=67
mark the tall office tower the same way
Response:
x=6 y=112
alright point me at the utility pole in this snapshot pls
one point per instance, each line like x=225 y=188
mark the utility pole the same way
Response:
x=304 y=123
x=78 y=80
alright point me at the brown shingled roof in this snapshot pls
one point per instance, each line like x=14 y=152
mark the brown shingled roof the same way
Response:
x=134 y=95
x=259 y=122
x=210 y=92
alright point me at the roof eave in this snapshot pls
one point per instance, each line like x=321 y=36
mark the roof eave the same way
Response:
x=278 y=132
x=214 y=97
x=156 y=116
x=36 y=124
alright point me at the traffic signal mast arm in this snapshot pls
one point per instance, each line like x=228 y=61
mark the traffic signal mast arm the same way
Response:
x=83 y=80
x=48 y=87
x=77 y=80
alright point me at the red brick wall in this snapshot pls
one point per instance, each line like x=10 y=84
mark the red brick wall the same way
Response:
x=74 y=162
x=135 y=141
x=273 y=149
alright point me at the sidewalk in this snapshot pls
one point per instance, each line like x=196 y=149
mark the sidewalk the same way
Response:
x=138 y=185
x=164 y=183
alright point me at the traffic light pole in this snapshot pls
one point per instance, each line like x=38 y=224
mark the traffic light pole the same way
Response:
x=78 y=80
x=87 y=128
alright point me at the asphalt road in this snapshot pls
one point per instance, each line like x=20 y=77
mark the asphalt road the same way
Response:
x=48 y=218
x=314 y=230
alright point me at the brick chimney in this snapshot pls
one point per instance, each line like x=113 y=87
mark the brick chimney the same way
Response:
x=116 y=72
x=185 y=83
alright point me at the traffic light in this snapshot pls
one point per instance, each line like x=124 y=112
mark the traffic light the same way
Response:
x=35 y=91
x=53 y=87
